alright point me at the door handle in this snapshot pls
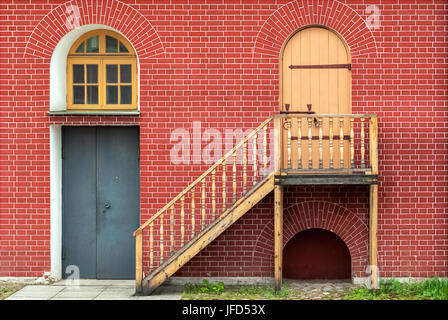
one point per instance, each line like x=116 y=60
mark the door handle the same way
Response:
x=107 y=205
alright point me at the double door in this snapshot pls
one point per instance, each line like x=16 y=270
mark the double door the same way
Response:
x=101 y=201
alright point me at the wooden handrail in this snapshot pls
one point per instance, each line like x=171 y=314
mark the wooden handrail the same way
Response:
x=206 y=173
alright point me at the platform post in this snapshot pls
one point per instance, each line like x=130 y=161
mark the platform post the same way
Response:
x=278 y=236
x=278 y=207
x=373 y=241
x=139 y=261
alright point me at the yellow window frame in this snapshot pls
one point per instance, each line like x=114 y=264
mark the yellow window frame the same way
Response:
x=101 y=59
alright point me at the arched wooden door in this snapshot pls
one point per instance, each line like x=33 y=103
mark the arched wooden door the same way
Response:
x=316 y=71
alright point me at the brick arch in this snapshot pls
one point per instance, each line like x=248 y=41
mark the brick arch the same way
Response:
x=113 y=13
x=300 y=13
x=323 y=215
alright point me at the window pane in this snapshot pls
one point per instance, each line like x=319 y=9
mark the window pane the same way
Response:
x=112 y=73
x=125 y=73
x=112 y=94
x=92 y=44
x=80 y=48
x=92 y=73
x=78 y=73
x=111 y=44
x=126 y=94
x=92 y=94
x=78 y=94
x=123 y=48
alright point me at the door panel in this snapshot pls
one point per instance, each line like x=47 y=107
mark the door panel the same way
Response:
x=79 y=200
x=327 y=90
x=118 y=201
x=100 y=200
x=316 y=254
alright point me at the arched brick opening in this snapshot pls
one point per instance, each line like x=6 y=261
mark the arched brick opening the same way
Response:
x=316 y=254
x=322 y=215
x=295 y=15
x=75 y=13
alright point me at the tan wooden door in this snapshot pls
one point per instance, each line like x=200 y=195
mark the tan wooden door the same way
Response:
x=315 y=70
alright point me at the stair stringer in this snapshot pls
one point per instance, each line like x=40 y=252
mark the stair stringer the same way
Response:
x=210 y=233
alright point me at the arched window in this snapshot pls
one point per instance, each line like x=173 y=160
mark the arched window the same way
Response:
x=101 y=73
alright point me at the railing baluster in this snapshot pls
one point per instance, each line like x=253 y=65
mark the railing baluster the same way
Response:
x=352 y=144
x=203 y=203
x=224 y=185
x=289 y=124
x=363 y=150
x=331 y=143
x=182 y=220
x=255 y=156
x=172 y=229
x=193 y=206
x=213 y=194
x=341 y=141
x=265 y=150
x=299 y=142
x=234 y=177
x=310 y=145
x=161 y=238
x=151 y=248
x=321 y=159
x=245 y=167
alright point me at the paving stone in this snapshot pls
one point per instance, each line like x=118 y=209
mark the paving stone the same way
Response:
x=41 y=292
x=86 y=294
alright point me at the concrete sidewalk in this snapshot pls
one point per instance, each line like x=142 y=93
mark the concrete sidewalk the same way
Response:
x=94 y=290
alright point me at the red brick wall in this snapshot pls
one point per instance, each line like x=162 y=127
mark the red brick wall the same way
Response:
x=217 y=62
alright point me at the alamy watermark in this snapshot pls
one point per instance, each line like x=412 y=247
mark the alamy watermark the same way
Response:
x=73 y=277
x=197 y=146
x=373 y=280
x=373 y=20
x=74 y=17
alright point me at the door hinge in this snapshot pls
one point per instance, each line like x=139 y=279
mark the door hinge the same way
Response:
x=323 y=66
x=63 y=254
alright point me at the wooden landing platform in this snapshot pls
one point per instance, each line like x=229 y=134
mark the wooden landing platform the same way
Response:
x=325 y=178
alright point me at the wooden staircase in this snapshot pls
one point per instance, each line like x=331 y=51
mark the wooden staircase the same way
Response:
x=188 y=232
x=304 y=149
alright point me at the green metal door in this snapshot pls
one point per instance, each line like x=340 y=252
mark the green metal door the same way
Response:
x=100 y=200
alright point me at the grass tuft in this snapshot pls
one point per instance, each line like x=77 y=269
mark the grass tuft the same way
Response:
x=391 y=289
x=206 y=287
x=7 y=288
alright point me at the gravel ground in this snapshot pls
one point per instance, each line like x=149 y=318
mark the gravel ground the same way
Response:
x=298 y=290
x=319 y=289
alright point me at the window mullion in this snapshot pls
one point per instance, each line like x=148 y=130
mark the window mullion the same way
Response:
x=102 y=45
x=102 y=83
x=118 y=83
x=84 y=64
